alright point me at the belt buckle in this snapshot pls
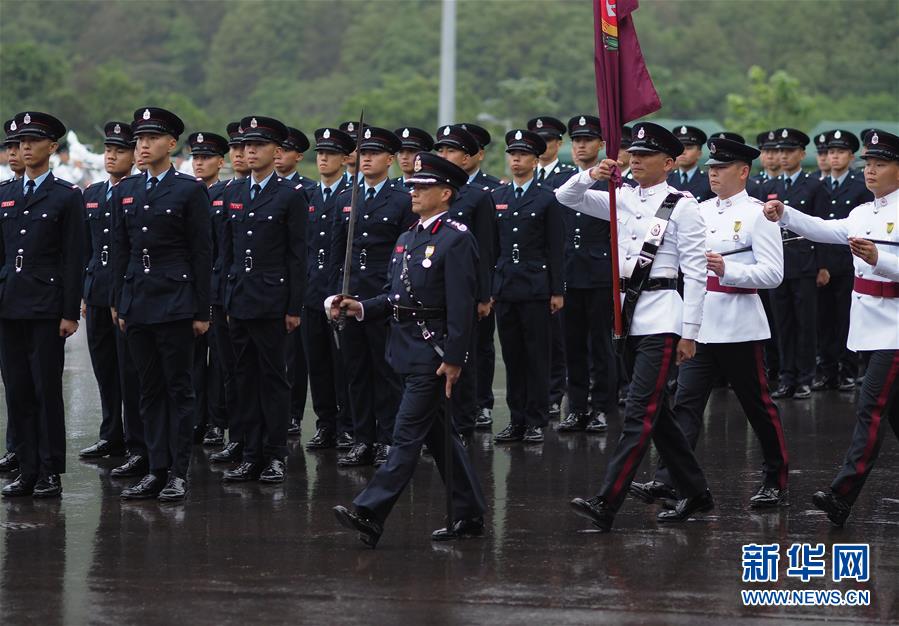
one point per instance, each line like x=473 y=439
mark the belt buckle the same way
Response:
x=247 y=263
x=19 y=260
x=425 y=333
x=145 y=259
x=577 y=241
x=516 y=255
x=104 y=257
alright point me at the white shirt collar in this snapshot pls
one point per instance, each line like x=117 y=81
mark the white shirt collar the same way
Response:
x=431 y=220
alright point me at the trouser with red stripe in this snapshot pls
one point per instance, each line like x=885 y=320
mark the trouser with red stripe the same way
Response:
x=649 y=359
x=743 y=365
x=878 y=403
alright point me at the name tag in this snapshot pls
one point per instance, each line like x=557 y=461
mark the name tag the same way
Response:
x=502 y=207
x=8 y=203
x=311 y=209
x=772 y=196
x=89 y=205
x=218 y=202
x=237 y=206
x=128 y=200
x=399 y=249
x=347 y=209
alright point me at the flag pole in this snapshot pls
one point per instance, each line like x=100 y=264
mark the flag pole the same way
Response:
x=613 y=233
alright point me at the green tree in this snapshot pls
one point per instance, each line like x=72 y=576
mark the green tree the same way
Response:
x=768 y=103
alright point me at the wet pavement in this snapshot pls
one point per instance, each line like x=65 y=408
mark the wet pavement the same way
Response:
x=252 y=553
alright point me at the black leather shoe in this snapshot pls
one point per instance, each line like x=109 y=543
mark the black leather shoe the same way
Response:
x=102 y=448
x=652 y=491
x=148 y=487
x=820 y=384
x=555 y=411
x=136 y=465
x=214 y=436
x=461 y=529
x=484 y=420
x=533 y=434
x=231 y=453
x=847 y=384
x=575 y=421
x=512 y=432
x=596 y=510
x=837 y=510
x=597 y=423
x=359 y=454
x=768 y=497
x=21 y=486
x=784 y=391
x=323 y=438
x=381 y=452
x=370 y=530
x=274 y=472
x=242 y=473
x=803 y=392
x=684 y=509
x=9 y=462
x=49 y=486
x=344 y=441
x=293 y=429
x=174 y=491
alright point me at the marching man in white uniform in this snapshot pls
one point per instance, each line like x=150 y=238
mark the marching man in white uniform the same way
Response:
x=661 y=228
x=873 y=236
x=744 y=254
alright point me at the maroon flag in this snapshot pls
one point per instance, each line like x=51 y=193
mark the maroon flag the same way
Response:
x=624 y=92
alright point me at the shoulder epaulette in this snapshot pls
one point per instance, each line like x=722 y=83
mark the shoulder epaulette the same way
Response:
x=456 y=225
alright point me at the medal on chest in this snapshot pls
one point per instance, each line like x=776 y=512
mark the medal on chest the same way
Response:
x=737 y=226
x=429 y=252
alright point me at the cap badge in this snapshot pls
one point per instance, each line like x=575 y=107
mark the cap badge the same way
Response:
x=770 y=134
x=683 y=130
x=326 y=134
x=13 y=125
x=721 y=136
x=785 y=133
x=539 y=123
x=417 y=166
x=874 y=139
x=837 y=135
x=367 y=133
x=712 y=148
x=582 y=121
x=518 y=135
x=446 y=131
x=27 y=118
x=253 y=123
x=350 y=127
x=199 y=137
x=822 y=138
x=405 y=133
x=117 y=129
x=641 y=133
x=146 y=115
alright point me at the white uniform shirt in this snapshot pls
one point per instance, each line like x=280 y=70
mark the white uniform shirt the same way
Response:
x=738 y=222
x=873 y=321
x=683 y=247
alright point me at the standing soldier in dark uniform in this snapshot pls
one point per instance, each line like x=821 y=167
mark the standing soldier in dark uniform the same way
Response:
x=265 y=256
x=660 y=327
x=588 y=294
x=163 y=262
x=207 y=152
x=297 y=373
x=41 y=232
x=838 y=365
x=412 y=141
x=770 y=161
x=873 y=328
x=352 y=129
x=528 y=286
x=105 y=342
x=822 y=156
x=795 y=300
x=224 y=351
x=688 y=175
x=326 y=380
x=432 y=280
x=476 y=174
x=383 y=213
x=472 y=205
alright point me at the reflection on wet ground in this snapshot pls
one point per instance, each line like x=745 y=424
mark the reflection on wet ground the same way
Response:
x=250 y=553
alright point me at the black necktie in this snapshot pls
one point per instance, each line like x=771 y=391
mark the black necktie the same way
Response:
x=254 y=191
x=518 y=193
x=788 y=182
x=420 y=228
x=683 y=178
x=834 y=184
x=541 y=176
x=29 y=188
x=151 y=184
x=370 y=194
x=327 y=194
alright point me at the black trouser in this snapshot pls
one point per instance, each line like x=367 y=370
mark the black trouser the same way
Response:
x=216 y=404
x=589 y=351
x=648 y=359
x=228 y=364
x=297 y=375
x=163 y=355
x=878 y=403
x=200 y=380
x=135 y=434
x=261 y=371
x=464 y=399
x=102 y=346
x=558 y=381
x=420 y=420
x=772 y=350
x=374 y=388
x=486 y=356
x=329 y=399
x=524 y=336
x=743 y=365
x=33 y=356
x=834 y=301
x=795 y=305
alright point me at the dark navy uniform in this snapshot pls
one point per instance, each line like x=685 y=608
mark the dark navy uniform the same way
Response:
x=382 y=215
x=529 y=270
x=41 y=239
x=163 y=262
x=838 y=366
x=265 y=256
